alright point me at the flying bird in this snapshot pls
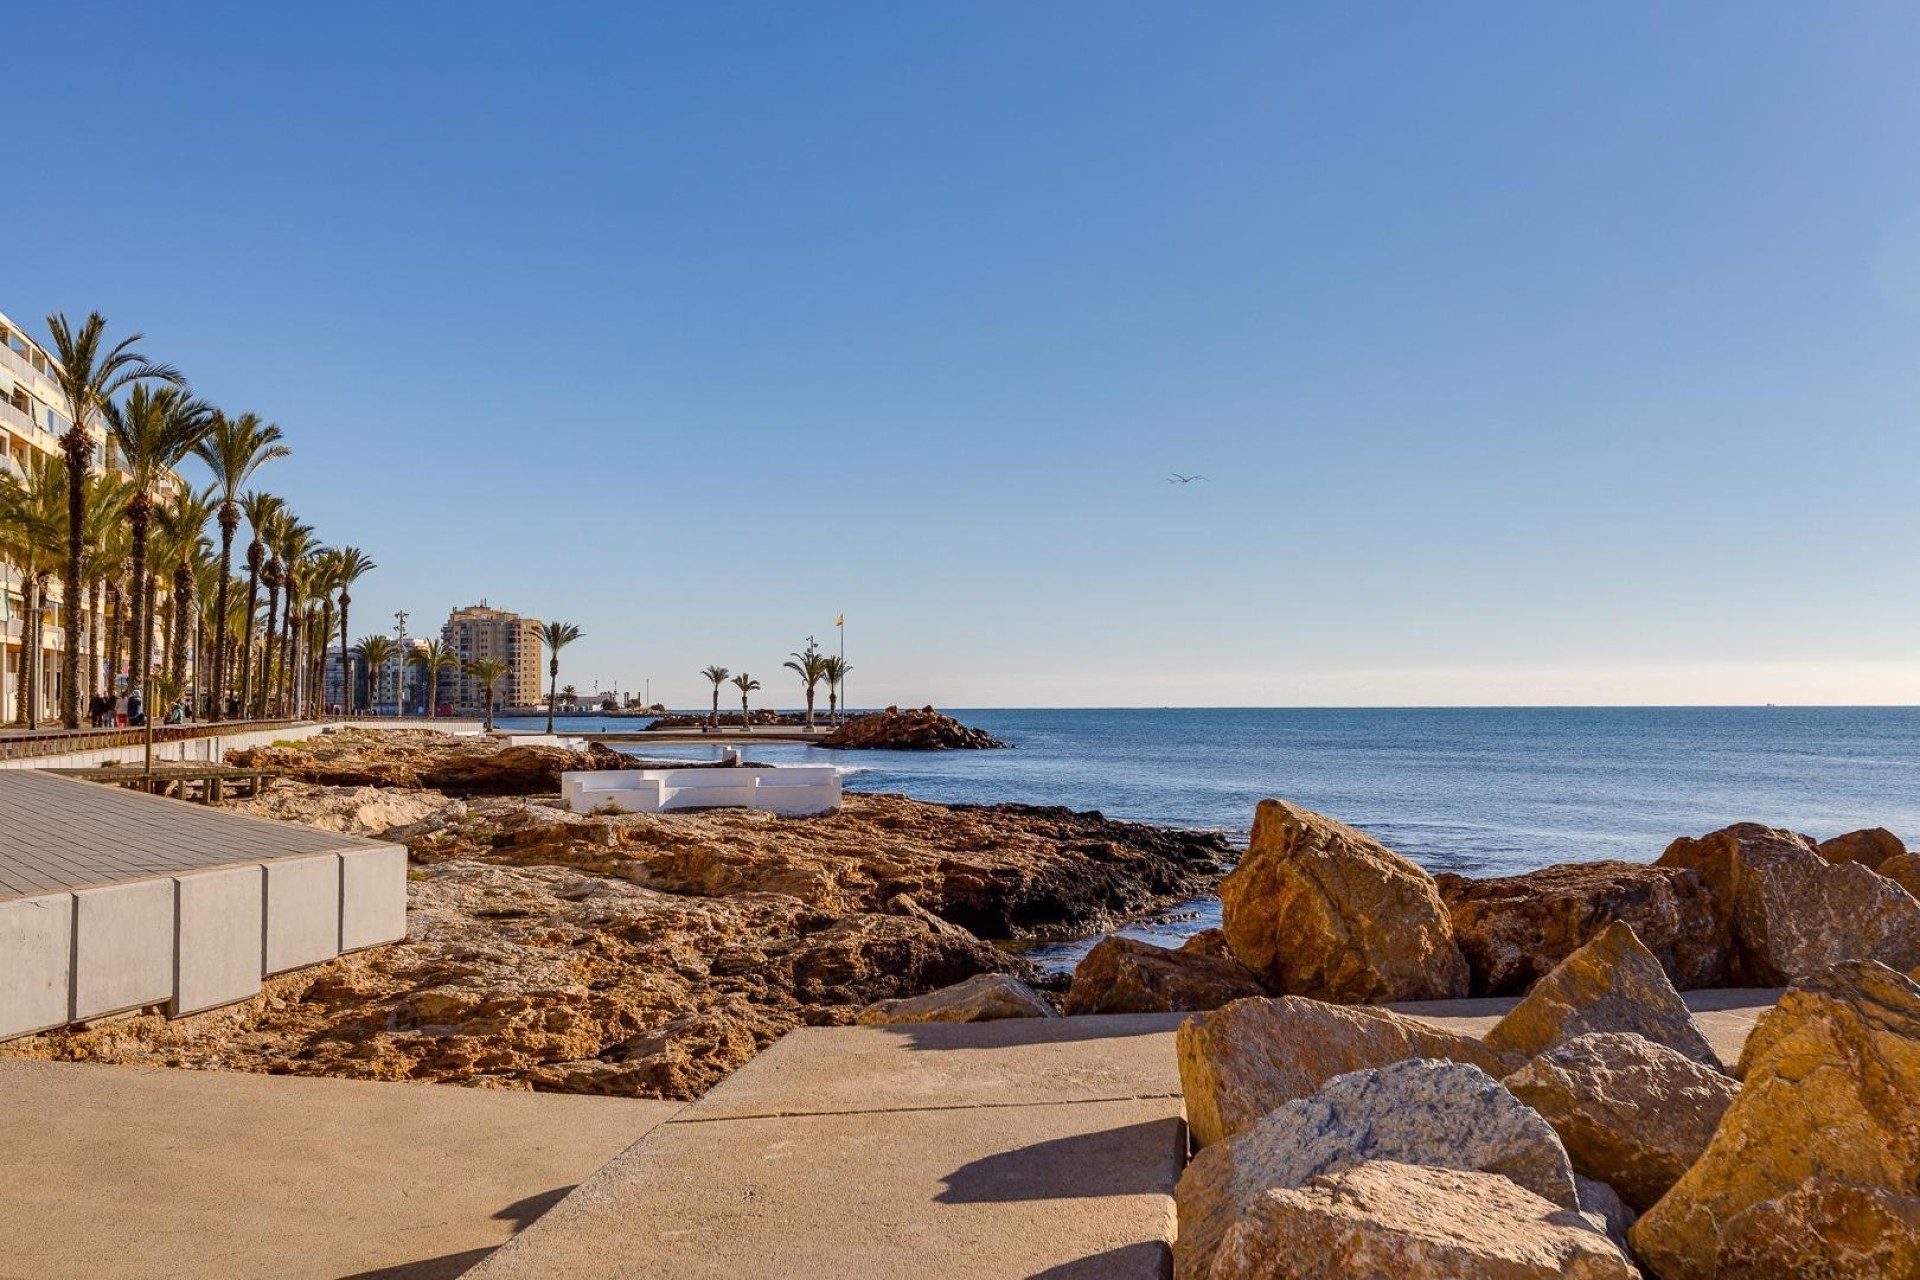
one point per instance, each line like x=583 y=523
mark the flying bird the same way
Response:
x=1177 y=478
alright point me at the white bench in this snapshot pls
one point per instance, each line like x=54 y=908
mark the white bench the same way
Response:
x=791 y=791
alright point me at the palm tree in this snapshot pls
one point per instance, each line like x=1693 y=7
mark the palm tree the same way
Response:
x=153 y=431
x=836 y=670
x=104 y=561
x=261 y=510
x=288 y=543
x=89 y=375
x=746 y=684
x=719 y=677
x=433 y=658
x=488 y=672
x=810 y=666
x=179 y=543
x=321 y=586
x=375 y=653
x=556 y=636
x=348 y=569
x=33 y=523
x=570 y=696
x=234 y=448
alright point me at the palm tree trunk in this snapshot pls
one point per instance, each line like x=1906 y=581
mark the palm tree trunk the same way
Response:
x=229 y=525
x=96 y=631
x=182 y=609
x=139 y=514
x=244 y=654
x=716 y=708
x=29 y=687
x=270 y=639
x=77 y=446
x=346 y=659
x=118 y=600
x=553 y=689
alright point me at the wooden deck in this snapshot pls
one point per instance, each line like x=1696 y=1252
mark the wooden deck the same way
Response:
x=206 y=783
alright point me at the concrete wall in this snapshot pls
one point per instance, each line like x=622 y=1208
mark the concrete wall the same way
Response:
x=192 y=941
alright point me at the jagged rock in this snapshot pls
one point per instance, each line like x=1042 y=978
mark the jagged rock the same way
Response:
x=353 y=811
x=1245 y=1059
x=897 y=730
x=1815 y=1168
x=1870 y=846
x=1512 y=929
x=1318 y=909
x=1610 y=984
x=984 y=998
x=1903 y=870
x=1384 y=1220
x=1631 y=1113
x=1424 y=1111
x=457 y=765
x=1602 y=1206
x=1121 y=975
x=1210 y=942
x=1792 y=913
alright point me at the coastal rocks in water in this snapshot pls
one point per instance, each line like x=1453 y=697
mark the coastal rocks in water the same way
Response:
x=984 y=998
x=1815 y=1168
x=1421 y=1112
x=1384 y=1220
x=897 y=730
x=1245 y=1059
x=1631 y=1113
x=1610 y=984
x=1792 y=912
x=1512 y=929
x=1121 y=975
x=1870 y=846
x=1318 y=909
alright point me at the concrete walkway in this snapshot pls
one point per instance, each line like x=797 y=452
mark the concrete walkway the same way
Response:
x=141 y=1173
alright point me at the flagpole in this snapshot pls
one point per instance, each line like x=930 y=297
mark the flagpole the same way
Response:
x=842 y=623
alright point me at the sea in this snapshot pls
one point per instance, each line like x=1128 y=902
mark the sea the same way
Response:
x=1481 y=791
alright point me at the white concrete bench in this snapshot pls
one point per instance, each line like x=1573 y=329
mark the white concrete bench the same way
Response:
x=790 y=791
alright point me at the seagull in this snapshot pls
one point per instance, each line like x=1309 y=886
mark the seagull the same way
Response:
x=1177 y=478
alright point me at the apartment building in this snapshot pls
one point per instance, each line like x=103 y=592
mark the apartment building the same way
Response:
x=481 y=631
x=33 y=417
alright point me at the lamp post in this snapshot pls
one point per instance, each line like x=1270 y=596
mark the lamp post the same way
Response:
x=400 y=667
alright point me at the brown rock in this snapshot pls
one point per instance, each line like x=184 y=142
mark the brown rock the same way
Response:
x=1121 y=975
x=1815 y=1169
x=1870 y=845
x=1632 y=1113
x=1512 y=929
x=1318 y=909
x=986 y=997
x=1247 y=1058
x=1903 y=870
x=1210 y=942
x=1611 y=984
x=1792 y=912
x=897 y=730
x=1416 y=1112
x=1602 y=1206
x=1385 y=1220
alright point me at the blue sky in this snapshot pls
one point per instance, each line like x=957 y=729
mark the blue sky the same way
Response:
x=1532 y=354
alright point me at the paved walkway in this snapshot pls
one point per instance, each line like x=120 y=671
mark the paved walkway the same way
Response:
x=61 y=833
x=140 y=1173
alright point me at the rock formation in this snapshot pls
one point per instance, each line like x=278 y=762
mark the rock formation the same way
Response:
x=1512 y=929
x=1869 y=846
x=1610 y=984
x=1815 y=1168
x=1121 y=975
x=1632 y=1114
x=1244 y=1060
x=1318 y=909
x=1425 y=1112
x=1792 y=912
x=984 y=998
x=468 y=765
x=1903 y=870
x=897 y=730
x=1384 y=1220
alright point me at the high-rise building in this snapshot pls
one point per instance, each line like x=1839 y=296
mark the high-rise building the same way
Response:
x=481 y=631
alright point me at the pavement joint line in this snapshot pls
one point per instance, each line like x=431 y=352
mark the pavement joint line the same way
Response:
x=683 y=1118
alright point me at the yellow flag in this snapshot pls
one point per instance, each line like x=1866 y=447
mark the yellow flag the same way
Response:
x=840 y=621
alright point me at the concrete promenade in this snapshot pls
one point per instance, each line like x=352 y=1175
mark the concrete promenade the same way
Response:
x=153 y=1174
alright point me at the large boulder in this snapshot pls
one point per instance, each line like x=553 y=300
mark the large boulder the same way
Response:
x=1423 y=1111
x=897 y=730
x=1793 y=912
x=1904 y=870
x=1121 y=975
x=1513 y=929
x=984 y=997
x=1610 y=984
x=1243 y=1060
x=1869 y=845
x=1815 y=1168
x=1384 y=1220
x=1632 y=1114
x=1318 y=909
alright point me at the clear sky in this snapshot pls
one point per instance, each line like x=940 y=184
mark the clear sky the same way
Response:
x=1533 y=353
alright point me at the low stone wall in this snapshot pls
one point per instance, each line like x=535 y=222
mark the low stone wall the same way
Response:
x=214 y=745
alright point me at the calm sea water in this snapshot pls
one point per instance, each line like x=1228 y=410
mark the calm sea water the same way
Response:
x=1476 y=790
